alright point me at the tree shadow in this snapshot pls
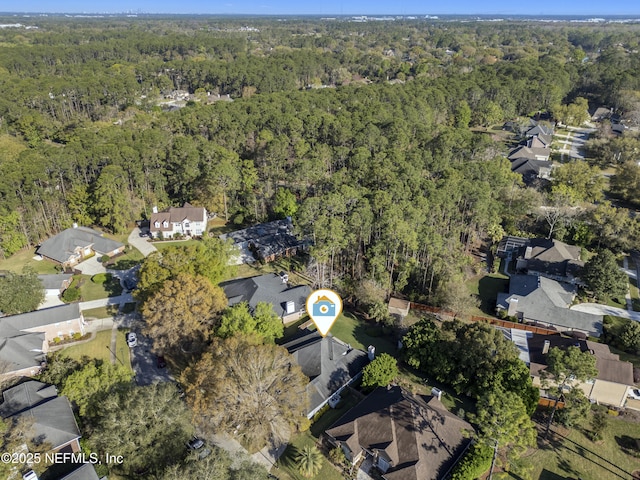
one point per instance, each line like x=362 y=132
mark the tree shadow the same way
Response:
x=488 y=289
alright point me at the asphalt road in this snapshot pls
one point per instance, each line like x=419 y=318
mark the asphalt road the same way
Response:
x=144 y=363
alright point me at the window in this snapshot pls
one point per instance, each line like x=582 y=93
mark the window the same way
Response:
x=165 y=224
x=186 y=224
x=157 y=224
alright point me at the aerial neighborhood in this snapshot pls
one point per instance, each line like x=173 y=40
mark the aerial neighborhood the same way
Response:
x=184 y=199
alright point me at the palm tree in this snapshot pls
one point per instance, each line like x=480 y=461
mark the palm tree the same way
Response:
x=309 y=461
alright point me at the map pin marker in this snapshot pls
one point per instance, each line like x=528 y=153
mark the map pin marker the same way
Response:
x=324 y=306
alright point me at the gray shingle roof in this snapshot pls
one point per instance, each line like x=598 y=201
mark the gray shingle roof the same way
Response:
x=328 y=362
x=265 y=240
x=54 y=281
x=546 y=301
x=61 y=246
x=418 y=435
x=531 y=153
x=53 y=419
x=22 y=350
x=39 y=318
x=85 y=472
x=266 y=288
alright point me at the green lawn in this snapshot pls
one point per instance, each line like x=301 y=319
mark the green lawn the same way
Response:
x=130 y=258
x=97 y=348
x=351 y=330
x=101 y=312
x=24 y=258
x=361 y=334
x=94 y=291
x=487 y=287
x=162 y=245
x=576 y=455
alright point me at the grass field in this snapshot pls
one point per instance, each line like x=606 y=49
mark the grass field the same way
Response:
x=24 y=258
x=162 y=245
x=360 y=334
x=487 y=287
x=576 y=456
x=97 y=348
x=101 y=312
x=94 y=291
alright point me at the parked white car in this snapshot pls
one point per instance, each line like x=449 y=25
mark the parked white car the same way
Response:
x=634 y=393
x=132 y=339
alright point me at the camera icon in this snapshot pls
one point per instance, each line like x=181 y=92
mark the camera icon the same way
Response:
x=323 y=307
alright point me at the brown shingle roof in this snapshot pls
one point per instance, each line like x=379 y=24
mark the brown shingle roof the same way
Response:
x=610 y=368
x=176 y=215
x=419 y=436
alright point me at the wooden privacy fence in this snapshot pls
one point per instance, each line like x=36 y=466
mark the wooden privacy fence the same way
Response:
x=492 y=321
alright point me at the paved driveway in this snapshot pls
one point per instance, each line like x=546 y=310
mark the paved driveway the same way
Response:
x=599 y=309
x=91 y=266
x=141 y=243
x=144 y=363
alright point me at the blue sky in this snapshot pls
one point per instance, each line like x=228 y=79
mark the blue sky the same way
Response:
x=327 y=7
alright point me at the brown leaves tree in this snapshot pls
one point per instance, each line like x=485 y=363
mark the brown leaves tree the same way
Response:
x=181 y=314
x=249 y=390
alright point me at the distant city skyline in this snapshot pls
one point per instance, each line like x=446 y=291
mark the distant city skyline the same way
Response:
x=329 y=7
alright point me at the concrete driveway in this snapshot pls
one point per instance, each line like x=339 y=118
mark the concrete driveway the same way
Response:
x=141 y=243
x=91 y=266
x=103 y=302
x=599 y=309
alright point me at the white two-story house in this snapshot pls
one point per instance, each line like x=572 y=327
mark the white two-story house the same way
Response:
x=185 y=220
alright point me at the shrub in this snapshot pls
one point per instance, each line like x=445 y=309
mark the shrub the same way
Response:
x=71 y=294
x=100 y=278
x=104 y=258
x=476 y=461
x=57 y=340
x=77 y=336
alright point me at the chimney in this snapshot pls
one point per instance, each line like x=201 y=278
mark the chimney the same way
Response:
x=513 y=306
x=371 y=352
x=545 y=347
x=290 y=307
x=527 y=253
x=155 y=209
x=436 y=392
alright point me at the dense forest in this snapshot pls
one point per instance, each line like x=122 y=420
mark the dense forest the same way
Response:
x=373 y=136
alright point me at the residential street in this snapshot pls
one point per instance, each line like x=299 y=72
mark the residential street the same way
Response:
x=573 y=142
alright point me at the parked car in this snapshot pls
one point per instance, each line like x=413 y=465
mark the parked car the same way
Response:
x=634 y=393
x=161 y=362
x=195 y=443
x=30 y=475
x=132 y=339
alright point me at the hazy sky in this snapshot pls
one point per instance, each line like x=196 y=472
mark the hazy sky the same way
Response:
x=327 y=7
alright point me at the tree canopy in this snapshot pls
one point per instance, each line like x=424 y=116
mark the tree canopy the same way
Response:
x=149 y=426
x=181 y=316
x=20 y=293
x=604 y=277
x=380 y=372
x=256 y=391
